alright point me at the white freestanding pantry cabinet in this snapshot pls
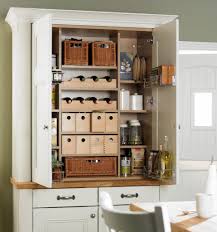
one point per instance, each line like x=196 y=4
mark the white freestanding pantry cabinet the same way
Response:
x=39 y=205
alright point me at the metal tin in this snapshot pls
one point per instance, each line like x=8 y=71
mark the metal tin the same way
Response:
x=125 y=166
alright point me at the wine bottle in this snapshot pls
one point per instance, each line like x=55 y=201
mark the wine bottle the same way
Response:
x=67 y=99
x=81 y=99
x=82 y=78
x=94 y=99
x=95 y=78
x=108 y=78
x=107 y=99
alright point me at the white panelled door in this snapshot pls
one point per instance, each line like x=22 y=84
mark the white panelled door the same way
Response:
x=198 y=103
x=41 y=101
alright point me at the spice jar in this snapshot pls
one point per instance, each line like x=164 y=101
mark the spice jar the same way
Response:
x=135 y=137
x=124 y=134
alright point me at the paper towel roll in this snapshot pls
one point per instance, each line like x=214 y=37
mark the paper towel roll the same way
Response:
x=211 y=183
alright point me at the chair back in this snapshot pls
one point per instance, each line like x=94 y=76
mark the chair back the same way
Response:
x=126 y=221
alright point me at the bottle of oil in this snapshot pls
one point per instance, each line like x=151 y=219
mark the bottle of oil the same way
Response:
x=166 y=160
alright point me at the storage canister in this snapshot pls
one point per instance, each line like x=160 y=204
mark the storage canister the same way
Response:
x=124 y=134
x=136 y=102
x=125 y=99
x=125 y=165
x=135 y=137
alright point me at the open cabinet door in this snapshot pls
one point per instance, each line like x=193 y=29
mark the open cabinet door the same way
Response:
x=165 y=51
x=41 y=101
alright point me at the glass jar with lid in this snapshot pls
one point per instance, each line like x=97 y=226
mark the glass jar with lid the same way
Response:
x=135 y=136
x=124 y=134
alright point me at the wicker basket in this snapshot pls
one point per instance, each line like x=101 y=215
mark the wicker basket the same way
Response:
x=104 y=53
x=89 y=166
x=75 y=52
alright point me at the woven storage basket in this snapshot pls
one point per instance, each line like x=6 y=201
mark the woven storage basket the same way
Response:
x=104 y=53
x=75 y=52
x=89 y=166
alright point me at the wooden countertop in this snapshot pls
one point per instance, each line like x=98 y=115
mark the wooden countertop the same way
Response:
x=94 y=182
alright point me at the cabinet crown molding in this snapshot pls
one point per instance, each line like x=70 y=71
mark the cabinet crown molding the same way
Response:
x=89 y=18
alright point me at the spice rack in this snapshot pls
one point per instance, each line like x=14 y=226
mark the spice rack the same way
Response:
x=130 y=42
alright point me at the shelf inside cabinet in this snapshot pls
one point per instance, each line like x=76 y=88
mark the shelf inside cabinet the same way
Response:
x=90 y=89
x=89 y=111
x=132 y=146
x=90 y=67
x=131 y=82
x=89 y=133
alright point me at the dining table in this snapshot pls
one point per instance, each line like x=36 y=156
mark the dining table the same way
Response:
x=182 y=214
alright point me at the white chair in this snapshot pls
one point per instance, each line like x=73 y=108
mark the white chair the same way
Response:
x=120 y=221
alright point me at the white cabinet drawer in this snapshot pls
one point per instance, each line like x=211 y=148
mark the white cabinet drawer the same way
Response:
x=64 y=197
x=127 y=195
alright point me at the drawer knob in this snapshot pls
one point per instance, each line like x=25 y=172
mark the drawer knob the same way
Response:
x=93 y=215
x=82 y=117
x=65 y=198
x=69 y=140
x=45 y=127
x=129 y=195
x=68 y=117
x=111 y=117
x=99 y=117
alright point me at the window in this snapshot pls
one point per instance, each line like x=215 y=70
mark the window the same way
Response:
x=203 y=107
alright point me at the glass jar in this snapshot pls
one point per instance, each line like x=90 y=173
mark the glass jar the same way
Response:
x=124 y=134
x=135 y=137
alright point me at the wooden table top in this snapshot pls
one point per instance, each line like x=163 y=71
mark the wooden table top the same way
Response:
x=180 y=222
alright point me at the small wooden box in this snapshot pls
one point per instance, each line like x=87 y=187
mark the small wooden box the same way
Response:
x=111 y=144
x=82 y=122
x=68 y=122
x=90 y=166
x=83 y=144
x=98 y=122
x=68 y=145
x=97 y=144
x=111 y=122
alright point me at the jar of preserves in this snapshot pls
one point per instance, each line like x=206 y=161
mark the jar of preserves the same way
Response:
x=124 y=134
x=135 y=137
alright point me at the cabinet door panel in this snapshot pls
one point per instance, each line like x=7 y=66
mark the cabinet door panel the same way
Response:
x=41 y=101
x=65 y=219
x=164 y=117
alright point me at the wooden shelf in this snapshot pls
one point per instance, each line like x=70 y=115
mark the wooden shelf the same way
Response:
x=131 y=82
x=90 y=89
x=135 y=111
x=132 y=146
x=89 y=111
x=93 y=182
x=89 y=67
x=89 y=133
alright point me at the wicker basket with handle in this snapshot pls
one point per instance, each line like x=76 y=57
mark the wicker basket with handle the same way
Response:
x=75 y=52
x=104 y=53
x=90 y=166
